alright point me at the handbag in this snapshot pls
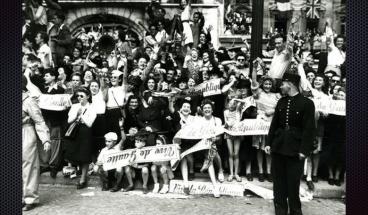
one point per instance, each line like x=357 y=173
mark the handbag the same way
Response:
x=121 y=109
x=73 y=128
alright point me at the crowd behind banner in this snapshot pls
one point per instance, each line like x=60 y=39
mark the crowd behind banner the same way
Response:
x=123 y=93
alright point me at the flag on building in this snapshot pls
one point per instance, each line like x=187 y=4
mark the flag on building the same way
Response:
x=313 y=8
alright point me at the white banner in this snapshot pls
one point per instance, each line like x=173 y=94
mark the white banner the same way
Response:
x=208 y=88
x=336 y=107
x=258 y=190
x=204 y=144
x=249 y=127
x=202 y=188
x=55 y=102
x=201 y=145
x=197 y=131
x=117 y=159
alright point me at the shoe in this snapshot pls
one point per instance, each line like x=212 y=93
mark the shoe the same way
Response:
x=172 y=176
x=238 y=178
x=44 y=169
x=337 y=182
x=230 y=178
x=191 y=176
x=221 y=177
x=145 y=190
x=315 y=179
x=331 y=181
x=269 y=177
x=216 y=192
x=53 y=173
x=205 y=166
x=310 y=185
x=165 y=189
x=156 y=188
x=116 y=188
x=28 y=207
x=186 y=190
x=129 y=188
x=261 y=177
x=81 y=185
x=105 y=186
x=249 y=177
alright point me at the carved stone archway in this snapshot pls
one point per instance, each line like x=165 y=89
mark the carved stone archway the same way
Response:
x=127 y=17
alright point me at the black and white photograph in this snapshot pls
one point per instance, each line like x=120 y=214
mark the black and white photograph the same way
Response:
x=183 y=107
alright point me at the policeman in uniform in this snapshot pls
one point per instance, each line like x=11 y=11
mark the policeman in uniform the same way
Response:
x=290 y=141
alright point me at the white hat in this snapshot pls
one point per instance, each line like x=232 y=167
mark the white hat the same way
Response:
x=116 y=73
x=111 y=136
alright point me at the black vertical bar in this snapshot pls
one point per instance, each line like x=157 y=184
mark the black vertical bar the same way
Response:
x=257 y=30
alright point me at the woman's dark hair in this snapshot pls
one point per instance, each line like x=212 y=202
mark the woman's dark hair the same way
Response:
x=80 y=52
x=93 y=74
x=185 y=101
x=146 y=83
x=95 y=81
x=133 y=97
x=206 y=102
x=85 y=91
x=267 y=78
x=325 y=82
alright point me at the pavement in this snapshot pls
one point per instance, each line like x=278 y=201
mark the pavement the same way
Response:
x=66 y=200
x=322 y=188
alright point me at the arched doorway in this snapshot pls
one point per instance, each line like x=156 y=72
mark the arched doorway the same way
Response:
x=108 y=21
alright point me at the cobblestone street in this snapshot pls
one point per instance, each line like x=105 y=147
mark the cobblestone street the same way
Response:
x=60 y=200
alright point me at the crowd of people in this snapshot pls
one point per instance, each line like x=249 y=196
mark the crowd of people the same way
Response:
x=113 y=78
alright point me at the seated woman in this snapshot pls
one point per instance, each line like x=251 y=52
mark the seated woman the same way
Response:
x=208 y=121
x=182 y=118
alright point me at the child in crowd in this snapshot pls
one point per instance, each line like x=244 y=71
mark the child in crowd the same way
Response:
x=164 y=168
x=140 y=141
x=110 y=141
x=232 y=116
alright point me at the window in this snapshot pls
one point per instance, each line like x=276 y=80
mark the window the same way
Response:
x=238 y=17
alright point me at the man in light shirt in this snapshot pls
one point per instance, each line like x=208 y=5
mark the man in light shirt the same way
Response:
x=281 y=56
x=44 y=52
x=336 y=56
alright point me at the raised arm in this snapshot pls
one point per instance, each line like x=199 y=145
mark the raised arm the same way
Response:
x=151 y=63
x=171 y=105
x=304 y=83
x=229 y=85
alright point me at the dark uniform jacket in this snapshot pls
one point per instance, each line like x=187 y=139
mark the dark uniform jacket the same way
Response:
x=293 y=127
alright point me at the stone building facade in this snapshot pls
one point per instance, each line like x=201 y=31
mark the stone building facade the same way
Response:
x=82 y=13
